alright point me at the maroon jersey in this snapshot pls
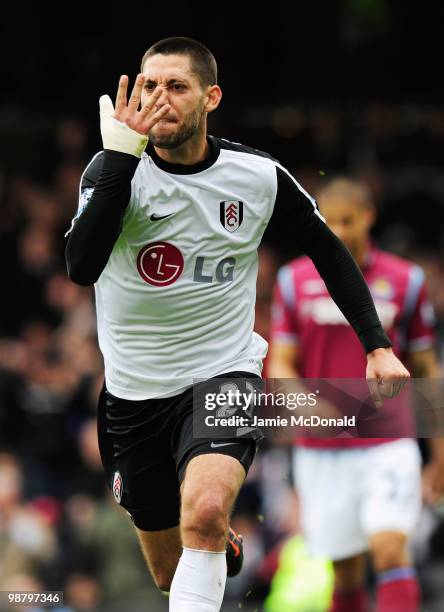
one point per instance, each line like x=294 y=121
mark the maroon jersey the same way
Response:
x=304 y=314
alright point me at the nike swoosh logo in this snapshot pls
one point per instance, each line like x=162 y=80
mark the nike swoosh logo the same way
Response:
x=155 y=217
x=223 y=444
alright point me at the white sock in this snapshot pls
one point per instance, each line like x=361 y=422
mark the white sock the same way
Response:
x=199 y=582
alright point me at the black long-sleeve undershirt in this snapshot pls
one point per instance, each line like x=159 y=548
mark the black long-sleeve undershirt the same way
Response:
x=96 y=230
x=333 y=261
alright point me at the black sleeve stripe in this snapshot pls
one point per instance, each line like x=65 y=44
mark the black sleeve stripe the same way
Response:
x=299 y=210
x=92 y=171
x=88 y=179
x=284 y=176
x=240 y=148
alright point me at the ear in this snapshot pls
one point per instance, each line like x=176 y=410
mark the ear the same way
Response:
x=212 y=98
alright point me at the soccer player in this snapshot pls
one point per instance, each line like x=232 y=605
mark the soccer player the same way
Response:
x=358 y=494
x=169 y=237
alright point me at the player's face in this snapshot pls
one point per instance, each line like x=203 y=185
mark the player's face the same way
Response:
x=183 y=91
x=349 y=220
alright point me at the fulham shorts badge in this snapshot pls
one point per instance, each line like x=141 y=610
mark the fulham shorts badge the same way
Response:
x=231 y=214
x=117 y=487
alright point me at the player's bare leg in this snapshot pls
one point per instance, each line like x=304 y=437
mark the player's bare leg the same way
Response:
x=162 y=550
x=389 y=550
x=349 y=592
x=397 y=589
x=209 y=490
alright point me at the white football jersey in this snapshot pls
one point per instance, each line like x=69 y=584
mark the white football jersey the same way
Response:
x=176 y=299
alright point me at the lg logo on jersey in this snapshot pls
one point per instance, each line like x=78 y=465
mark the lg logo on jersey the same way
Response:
x=222 y=274
x=161 y=264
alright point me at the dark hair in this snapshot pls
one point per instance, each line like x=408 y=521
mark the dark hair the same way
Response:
x=201 y=59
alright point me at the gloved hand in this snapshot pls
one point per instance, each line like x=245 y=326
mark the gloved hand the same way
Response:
x=118 y=136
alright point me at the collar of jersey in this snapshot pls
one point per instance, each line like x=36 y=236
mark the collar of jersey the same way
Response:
x=213 y=154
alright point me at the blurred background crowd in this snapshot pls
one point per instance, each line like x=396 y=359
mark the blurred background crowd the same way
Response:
x=341 y=92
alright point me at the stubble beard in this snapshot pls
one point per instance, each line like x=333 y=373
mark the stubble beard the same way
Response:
x=191 y=126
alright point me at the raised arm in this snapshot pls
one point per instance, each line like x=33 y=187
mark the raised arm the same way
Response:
x=105 y=188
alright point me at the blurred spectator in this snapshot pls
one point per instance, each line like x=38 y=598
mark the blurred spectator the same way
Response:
x=27 y=538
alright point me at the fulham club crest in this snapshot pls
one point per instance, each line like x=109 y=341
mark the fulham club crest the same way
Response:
x=117 y=487
x=231 y=214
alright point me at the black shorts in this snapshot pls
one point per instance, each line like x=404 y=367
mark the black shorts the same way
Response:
x=145 y=447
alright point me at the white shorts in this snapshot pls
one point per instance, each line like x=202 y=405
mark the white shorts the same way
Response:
x=346 y=495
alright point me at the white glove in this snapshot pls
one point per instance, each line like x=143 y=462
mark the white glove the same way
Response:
x=116 y=135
